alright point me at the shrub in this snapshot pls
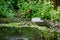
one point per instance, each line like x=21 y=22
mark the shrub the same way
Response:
x=6 y=9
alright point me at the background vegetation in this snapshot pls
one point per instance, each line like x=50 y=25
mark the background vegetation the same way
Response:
x=40 y=8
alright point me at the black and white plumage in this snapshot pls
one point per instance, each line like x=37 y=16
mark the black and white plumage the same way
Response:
x=41 y=22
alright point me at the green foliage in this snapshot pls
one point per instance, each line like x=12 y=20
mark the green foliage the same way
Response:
x=39 y=8
x=42 y=9
x=6 y=9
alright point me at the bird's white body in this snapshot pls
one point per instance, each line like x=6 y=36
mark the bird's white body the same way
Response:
x=37 y=20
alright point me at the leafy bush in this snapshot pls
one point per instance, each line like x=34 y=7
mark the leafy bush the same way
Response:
x=39 y=8
x=6 y=10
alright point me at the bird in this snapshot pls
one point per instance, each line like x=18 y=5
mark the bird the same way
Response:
x=37 y=20
x=41 y=22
